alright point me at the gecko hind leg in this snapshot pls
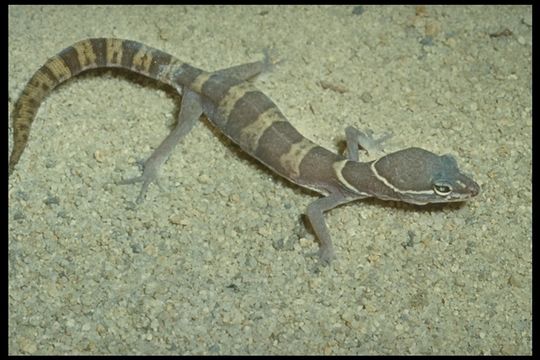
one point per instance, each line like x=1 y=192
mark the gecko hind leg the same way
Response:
x=250 y=70
x=190 y=111
x=357 y=138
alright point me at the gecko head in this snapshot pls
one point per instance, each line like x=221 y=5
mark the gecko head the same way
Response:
x=420 y=177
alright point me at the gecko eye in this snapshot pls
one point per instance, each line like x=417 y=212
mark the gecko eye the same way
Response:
x=442 y=189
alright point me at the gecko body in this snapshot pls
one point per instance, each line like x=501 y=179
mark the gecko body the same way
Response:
x=251 y=120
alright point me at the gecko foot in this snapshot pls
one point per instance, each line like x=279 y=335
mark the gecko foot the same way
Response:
x=372 y=144
x=149 y=176
x=366 y=140
x=270 y=59
x=326 y=255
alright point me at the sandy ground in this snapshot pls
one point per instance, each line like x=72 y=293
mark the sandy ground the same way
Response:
x=215 y=262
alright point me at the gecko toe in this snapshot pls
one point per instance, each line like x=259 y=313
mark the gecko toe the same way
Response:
x=325 y=256
x=146 y=181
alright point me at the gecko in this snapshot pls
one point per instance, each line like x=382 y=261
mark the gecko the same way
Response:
x=249 y=118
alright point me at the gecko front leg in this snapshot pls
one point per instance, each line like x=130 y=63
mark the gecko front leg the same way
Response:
x=315 y=213
x=356 y=138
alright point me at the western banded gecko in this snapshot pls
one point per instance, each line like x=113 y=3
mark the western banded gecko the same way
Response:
x=251 y=120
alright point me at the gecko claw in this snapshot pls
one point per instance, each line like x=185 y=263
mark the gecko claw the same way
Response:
x=146 y=181
x=324 y=255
